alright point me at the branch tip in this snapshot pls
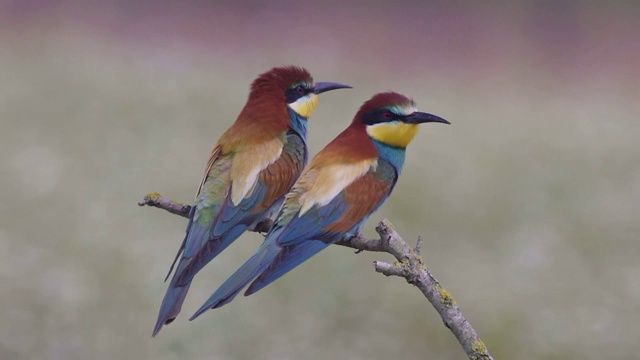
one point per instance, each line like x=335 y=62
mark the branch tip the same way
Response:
x=418 y=245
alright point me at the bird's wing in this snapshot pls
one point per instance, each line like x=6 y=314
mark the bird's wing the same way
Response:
x=229 y=180
x=213 y=156
x=230 y=220
x=271 y=184
x=335 y=198
x=309 y=233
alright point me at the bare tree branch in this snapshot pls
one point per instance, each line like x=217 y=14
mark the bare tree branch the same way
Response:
x=409 y=265
x=156 y=200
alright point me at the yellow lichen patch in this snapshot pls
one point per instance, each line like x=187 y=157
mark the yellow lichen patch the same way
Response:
x=445 y=296
x=478 y=347
x=153 y=196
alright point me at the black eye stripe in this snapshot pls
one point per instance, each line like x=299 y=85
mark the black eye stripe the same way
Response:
x=381 y=116
x=296 y=92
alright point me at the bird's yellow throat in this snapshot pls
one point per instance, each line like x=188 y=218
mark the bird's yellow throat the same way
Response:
x=305 y=105
x=396 y=134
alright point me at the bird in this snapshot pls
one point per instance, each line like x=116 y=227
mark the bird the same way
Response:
x=340 y=188
x=250 y=169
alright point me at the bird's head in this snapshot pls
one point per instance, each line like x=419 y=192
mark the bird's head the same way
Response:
x=393 y=119
x=295 y=85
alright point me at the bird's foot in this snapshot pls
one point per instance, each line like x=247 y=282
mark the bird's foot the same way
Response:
x=358 y=234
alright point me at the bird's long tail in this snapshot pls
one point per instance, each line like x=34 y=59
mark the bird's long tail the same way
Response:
x=191 y=262
x=258 y=263
x=286 y=261
x=171 y=305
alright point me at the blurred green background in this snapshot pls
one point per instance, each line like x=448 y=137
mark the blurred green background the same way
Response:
x=528 y=203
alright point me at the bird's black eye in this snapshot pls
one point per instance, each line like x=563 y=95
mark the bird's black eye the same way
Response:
x=294 y=93
x=380 y=116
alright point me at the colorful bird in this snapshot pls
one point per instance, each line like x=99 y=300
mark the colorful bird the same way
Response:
x=250 y=169
x=344 y=183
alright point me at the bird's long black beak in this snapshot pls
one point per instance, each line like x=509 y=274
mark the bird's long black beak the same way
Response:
x=321 y=87
x=421 y=117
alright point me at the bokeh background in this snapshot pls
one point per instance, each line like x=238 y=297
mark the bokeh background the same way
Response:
x=528 y=202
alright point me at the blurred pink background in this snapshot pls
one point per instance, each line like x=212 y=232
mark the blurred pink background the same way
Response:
x=529 y=202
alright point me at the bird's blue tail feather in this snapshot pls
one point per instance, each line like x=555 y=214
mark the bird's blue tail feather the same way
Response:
x=292 y=257
x=258 y=263
x=188 y=267
x=171 y=305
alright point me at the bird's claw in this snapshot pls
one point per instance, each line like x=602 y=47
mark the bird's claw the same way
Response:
x=348 y=237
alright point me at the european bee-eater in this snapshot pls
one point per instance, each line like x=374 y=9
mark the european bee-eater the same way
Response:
x=250 y=169
x=344 y=183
